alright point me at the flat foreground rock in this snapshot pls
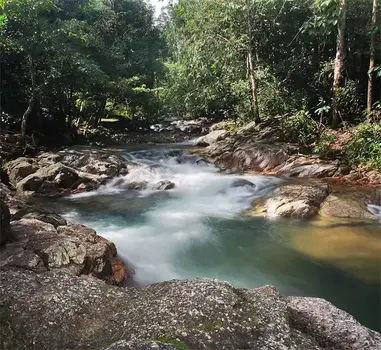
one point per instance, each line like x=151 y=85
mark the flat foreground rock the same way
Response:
x=55 y=310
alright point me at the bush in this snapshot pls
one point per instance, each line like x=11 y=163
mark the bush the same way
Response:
x=324 y=146
x=300 y=128
x=365 y=148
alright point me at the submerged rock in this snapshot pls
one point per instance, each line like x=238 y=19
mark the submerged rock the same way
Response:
x=135 y=185
x=299 y=201
x=346 y=207
x=163 y=185
x=55 y=310
x=242 y=183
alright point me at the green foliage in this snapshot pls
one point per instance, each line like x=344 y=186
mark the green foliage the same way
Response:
x=324 y=145
x=95 y=51
x=365 y=148
x=348 y=99
x=299 y=128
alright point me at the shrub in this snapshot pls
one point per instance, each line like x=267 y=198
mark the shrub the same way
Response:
x=300 y=128
x=365 y=148
x=324 y=146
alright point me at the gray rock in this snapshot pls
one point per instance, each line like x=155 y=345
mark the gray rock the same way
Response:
x=30 y=183
x=211 y=138
x=59 y=174
x=41 y=215
x=20 y=168
x=331 y=327
x=56 y=174
x=242 y=183
x=136 y=185
x=39 y=246
x=303 y=166
x=343 y=206
x=163 y=185
x=301 y=201
x=244 y=157
x=5 y=233
x=56 y=310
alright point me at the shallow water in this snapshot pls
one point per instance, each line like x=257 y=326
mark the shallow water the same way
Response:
x=200 y=228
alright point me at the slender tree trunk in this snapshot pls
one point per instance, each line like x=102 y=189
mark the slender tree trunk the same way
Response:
x=101 y=111
x=32 y=100
x=339 y=61
x=251 y=68
x=254 y=88
x=372 y=56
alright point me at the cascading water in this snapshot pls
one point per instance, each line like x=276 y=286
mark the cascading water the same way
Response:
x=199 y=228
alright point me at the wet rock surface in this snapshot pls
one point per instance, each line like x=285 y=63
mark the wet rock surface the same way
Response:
x=55 y=310
x=164 y=185
x=299 y=201
x=346 y=206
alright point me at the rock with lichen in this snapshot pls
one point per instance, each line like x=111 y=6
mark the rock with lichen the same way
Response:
x=56 y=310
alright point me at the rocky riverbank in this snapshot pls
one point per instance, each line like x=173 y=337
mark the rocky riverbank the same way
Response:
x=250 y=149
x=57 y=280
x=312 y=186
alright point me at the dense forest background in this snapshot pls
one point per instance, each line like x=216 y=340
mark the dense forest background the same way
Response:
x=71 y=62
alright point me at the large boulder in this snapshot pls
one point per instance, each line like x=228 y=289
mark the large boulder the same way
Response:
x=331 y=327
x=211 y=138
x=55 y=175
x=310 y=166
x=55 y=310
x=20 y=168
x=40 y=246
x=299 y=201
x=346 y=206
x=4 y=222
x=238 y=156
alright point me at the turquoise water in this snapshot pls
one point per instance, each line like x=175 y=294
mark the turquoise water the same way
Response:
x=201 y=229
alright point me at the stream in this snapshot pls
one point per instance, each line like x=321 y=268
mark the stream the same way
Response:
x=201 y=229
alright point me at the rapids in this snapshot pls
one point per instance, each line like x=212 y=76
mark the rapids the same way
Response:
x=200 y=229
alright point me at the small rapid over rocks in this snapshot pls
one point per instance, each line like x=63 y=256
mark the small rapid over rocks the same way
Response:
x=166 y=204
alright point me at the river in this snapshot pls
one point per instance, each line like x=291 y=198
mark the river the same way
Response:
x=201 y=229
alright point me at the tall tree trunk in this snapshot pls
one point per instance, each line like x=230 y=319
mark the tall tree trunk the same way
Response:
x=251 y=67
x=254 y=88
x=372 y=55
x=339 y=61
x=32 y=100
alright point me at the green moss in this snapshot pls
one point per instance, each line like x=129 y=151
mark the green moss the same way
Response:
x=178 y=343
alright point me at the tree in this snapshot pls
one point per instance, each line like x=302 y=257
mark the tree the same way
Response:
x=374 y=31
x=27 y=31
x=339 y=60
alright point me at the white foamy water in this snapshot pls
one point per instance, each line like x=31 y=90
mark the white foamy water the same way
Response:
x=181 y=218
x=375 y=209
